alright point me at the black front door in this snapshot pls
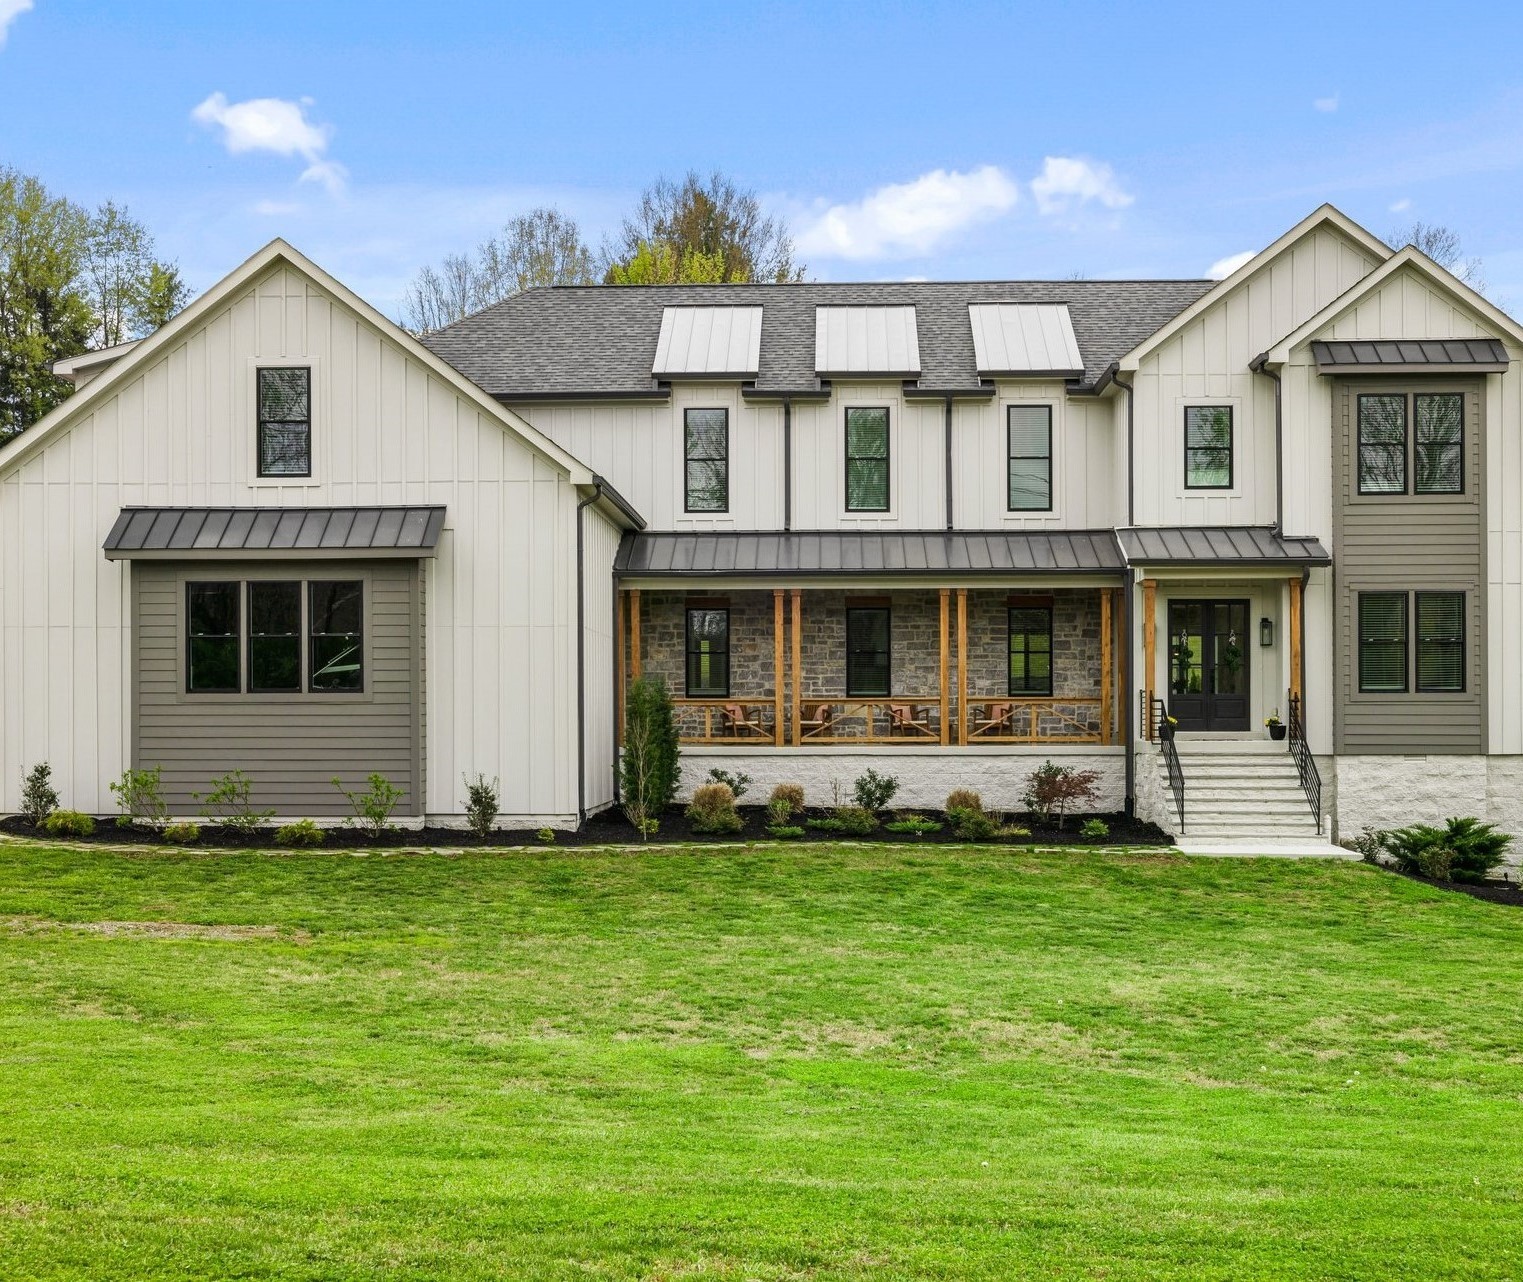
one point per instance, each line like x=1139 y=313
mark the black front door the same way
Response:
x=1208 y=664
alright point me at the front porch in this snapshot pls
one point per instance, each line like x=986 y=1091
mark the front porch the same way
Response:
x=922 y=667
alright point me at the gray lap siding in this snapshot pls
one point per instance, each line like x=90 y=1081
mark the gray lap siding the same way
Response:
x=292 y=745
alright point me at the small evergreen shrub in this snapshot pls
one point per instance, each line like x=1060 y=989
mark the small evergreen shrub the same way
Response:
x=1053 y=789
x=873 y=791
x=738 y=783
x=786 y=799
x=480 y=804
x=68 y=823
x=373 y=807
x=713 y=810
x=825 y=824
x=917 y=824
x=1462 y=850
x=973 y=825
x=231 y=801
x=140 y=798
x=1095 y=829
x=855 y=821
x=39 y=798
x=546 y=835
x=783 y=831
x=303 y=832
x=650 y=767
x=964 y=799
x=182 y=833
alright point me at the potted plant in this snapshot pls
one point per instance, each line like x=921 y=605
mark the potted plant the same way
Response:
x=1275 y=725
x=1166 y=726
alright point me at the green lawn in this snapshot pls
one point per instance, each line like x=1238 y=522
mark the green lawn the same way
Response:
x=784 y=1064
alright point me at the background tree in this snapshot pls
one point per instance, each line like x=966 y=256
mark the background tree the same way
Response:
x=1442 y=245
x=542 y=247
x=703 y=221
x=662 y=264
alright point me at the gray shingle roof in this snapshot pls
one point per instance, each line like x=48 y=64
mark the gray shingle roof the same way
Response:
x=213 y=531
x=1237 y=544
x=718 y=555
x=601 y=339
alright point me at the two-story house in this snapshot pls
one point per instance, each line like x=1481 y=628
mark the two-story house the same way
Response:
x=949 y=530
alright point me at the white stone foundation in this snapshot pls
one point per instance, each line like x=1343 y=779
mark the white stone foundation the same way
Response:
x=1391 y=792
x=925 y=776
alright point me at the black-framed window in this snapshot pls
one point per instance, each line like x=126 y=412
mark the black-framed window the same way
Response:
x=1030 y=650
x=1382 y=446
x=708 y=652
x=274 y=662
x=1028 y=442
x=1438 y=444
x=335 y=632
x=1208 y=447
x=1440 y=642
x=284 y=395
x=867 y=459
x=213 y=654
x=868 y=662
x=1382 y=642
x=706 y=460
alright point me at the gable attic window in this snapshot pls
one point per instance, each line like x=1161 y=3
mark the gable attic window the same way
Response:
x=1208 y=447
x=866 y=459
x=706 y=460
x=284 y=395
x=1029 y=438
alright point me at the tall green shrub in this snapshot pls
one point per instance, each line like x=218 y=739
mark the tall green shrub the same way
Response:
x=1462 y=850
x=650 y=769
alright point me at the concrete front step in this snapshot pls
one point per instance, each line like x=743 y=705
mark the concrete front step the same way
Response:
x=1217 y=827
x=1269 y=848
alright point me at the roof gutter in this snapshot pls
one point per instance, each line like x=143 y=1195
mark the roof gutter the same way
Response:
x=1113 y=375
x=1260 y=365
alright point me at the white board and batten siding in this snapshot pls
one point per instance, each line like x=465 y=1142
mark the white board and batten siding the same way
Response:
x=179 y=431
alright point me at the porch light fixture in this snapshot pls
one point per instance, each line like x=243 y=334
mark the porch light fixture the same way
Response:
x=1266 y=632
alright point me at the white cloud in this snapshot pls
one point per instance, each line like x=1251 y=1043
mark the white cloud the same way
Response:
x=908 y=218
x=276 y=125
x=1073 y=180
x=1224 y=267
x=1400 y=206
x=1328 y=104
x=10 y=10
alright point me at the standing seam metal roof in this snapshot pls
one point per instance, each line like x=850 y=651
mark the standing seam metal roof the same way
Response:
x=404 y=530
x=600 y=340
x=1231 y=544
x=1345 y=354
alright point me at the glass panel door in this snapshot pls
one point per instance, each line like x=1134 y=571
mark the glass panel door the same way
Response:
x=1208 y=664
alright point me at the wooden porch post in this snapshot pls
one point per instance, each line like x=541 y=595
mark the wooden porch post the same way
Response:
x=1149 y=649
x=946 y=671
x=778 y=727
x=1105 y=665
x=798 y=665
x=620 y=643
x=1294 y=626
x=634 y=633
x=962 y=666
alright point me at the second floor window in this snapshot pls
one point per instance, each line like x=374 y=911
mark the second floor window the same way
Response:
x=1208 y=447
x=708 y=653
x=868 y=665
x=285 y=421
x=1030 y=650
x=1421 y=435
x=1029 y=441
x=866 y=459
x=707 y=460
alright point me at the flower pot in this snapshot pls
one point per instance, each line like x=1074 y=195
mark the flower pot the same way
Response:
x=1277 y=732
x=1165 y=730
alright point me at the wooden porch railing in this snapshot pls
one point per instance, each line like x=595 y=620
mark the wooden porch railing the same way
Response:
x=904 y=719
x=1034 y=720
x=751 y=721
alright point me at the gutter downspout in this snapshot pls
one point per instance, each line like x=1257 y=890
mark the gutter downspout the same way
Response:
x=947 y=432
x=787 y=462
x=1131 y=449
x=1260 y=365
x=1128 y=721
x=581 y=657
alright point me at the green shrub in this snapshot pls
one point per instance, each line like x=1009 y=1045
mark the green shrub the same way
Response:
x=1463 y=849
x=39 y=798
x=1014 y=830
x=973 y=825
x=301 y=833
x=650 y=767
x=68 y=823
x=826 y=824
x=546 y=835
x=182 y=833
x=856 y=821
x=787 y=800
x=140 y=798
x=785 y=830
x=231 y=801
x=1095 y=829
x=917 y=824
x=963 y=799
x=713 y=810
x=374 y=806
x=739 y=784
x=873 y=791
x=480 y=804
x=1053 y=789
x=1369 y=845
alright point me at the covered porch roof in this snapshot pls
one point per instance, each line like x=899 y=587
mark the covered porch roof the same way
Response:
x=1229 y=546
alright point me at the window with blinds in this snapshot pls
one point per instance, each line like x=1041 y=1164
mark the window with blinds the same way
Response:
x=1030 y=650
x=1029 y=442
x=1382 y=642
x=1441 y=642
x=708 y=653
x=866 y=459
x=868 y=671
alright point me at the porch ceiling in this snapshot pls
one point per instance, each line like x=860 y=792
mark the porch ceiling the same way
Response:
x=912 y=554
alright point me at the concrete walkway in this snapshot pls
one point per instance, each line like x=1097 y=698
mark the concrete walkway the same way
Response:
x=1268 y=848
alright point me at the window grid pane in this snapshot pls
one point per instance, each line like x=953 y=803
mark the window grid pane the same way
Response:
x=1438 y=450
x=335 y=637
x=867 y=460
x=213 y=638
x=1030 y=651
x=274 y=660
x=1029 y=443
x=1382 y=432
x=707 y=460
x=868 y=672
x=1208 y=447
x=708 y=653
x=285 y=421
x=1441 y=642
x=1383 y=642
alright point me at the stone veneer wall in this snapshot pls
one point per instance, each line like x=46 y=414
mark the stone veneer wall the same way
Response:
x=663 y=639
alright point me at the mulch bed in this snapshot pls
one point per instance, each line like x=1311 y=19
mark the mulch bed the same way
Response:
x=610 y=828
x=1493 y=891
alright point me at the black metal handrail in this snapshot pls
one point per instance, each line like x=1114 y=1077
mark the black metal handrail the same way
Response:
x=1306 y=765
x=1159 y=721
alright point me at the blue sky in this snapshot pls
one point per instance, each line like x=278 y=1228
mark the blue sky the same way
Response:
x=898 y=139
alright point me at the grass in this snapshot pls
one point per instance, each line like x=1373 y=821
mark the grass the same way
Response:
x=852 y=1063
